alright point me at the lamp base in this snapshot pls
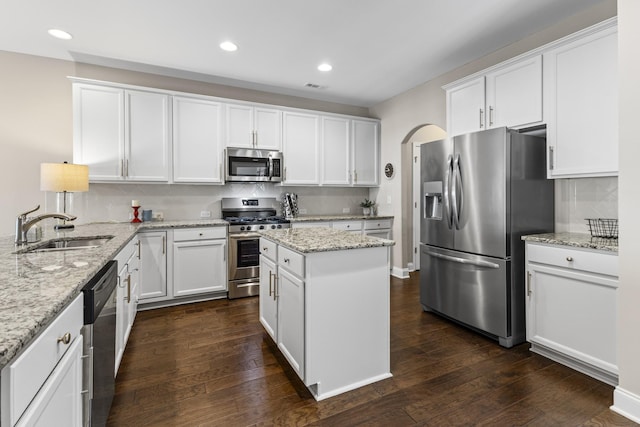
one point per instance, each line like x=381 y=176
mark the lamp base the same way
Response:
x=63 y=227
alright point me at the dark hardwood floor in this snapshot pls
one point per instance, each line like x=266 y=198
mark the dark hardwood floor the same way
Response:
x=211 y=364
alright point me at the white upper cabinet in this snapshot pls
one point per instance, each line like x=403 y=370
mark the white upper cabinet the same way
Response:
x=122 y=135
x=336 y=151
x=147 y=143
x=365 y=160
x=301 y=148
x=253 y=127
x=197 y=140
x=508 y=95
x=98 y=131
x=465 y=107
x=514 y=94
x=581 y=106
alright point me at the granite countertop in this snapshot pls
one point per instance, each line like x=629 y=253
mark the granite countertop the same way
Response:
x=35 y=287
x=322 y=239
x=311 y=218
x=576 y=240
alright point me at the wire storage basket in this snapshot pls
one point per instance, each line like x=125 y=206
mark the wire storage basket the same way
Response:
x=603 y=227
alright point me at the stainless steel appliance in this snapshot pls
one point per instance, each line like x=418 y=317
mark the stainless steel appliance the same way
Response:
x=481 y=193
x=99 y=352
x=246 y=217
x=247 y=165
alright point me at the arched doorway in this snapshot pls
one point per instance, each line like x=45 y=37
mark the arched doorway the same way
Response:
x=410 y=165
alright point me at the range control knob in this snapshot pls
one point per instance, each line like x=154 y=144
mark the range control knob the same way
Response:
x=242 y=228
x=273 y=227
x=262 y=227
x=279 y=225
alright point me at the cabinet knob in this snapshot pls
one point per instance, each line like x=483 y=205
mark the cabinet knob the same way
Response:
x=200 y=234
x=286 y=260
x=570 y=259
x=265 y=249
x=65 y=339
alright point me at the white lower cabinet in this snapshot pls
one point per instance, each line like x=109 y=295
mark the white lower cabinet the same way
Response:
x=153 y=265
x=308 y=310
x=43 y=385
x=268 y=301
x=199 y=261
x=572 y=308
x=126 y=296
x=182 y=265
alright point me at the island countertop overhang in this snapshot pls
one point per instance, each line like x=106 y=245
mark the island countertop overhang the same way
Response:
x=322 y=239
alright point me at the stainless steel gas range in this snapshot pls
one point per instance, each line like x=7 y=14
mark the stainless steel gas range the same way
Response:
x=246 y=217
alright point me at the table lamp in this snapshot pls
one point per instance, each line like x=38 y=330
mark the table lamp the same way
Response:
x=64 y=178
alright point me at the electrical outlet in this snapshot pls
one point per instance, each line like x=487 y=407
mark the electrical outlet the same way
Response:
x=205 y=214
x=302 y=211
x=346 y=210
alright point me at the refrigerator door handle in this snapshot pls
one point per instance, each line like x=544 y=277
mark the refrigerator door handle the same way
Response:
x=477 y=263
x=455 y=185
x=447 y=193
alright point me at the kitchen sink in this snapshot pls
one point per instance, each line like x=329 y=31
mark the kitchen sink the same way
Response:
x=68 y=244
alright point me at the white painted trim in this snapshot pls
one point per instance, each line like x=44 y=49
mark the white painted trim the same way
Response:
x=626 y=404
x=400 y=273
x=537 y=51
x=337 y=391
x=411 y=267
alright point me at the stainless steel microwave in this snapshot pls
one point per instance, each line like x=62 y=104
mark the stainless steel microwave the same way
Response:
x=247 y=165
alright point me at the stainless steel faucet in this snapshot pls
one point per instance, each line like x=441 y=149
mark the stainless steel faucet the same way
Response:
x=22 y=225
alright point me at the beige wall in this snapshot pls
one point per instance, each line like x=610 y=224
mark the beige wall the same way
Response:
x=426 y=104
x=629 y=290
x=36 y=127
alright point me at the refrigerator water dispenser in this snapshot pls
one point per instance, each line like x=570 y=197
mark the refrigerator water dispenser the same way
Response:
x=432 y=200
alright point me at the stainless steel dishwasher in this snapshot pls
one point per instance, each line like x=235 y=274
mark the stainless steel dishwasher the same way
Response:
x=99 y=332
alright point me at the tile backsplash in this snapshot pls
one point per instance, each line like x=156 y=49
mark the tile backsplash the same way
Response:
x=112 y=202
x=580 y=198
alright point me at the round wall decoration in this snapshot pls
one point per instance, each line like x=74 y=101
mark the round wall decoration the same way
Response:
x=388 y=170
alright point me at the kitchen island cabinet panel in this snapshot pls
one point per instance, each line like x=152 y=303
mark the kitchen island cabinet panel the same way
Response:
x=332 y=305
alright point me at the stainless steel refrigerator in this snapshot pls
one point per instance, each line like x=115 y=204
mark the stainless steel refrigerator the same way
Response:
x=481 y=192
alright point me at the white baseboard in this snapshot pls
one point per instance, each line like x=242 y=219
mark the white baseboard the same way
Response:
x=411 y=267
x=626 y=404
x=400 y=273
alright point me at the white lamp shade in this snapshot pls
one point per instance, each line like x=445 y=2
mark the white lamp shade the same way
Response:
x=61 y=177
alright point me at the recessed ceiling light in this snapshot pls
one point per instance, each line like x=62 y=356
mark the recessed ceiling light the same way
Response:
x=60 y=34
x=228 y=46
x=325 y=67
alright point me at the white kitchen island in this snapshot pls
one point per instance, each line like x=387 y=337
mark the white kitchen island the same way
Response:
x=324 y=300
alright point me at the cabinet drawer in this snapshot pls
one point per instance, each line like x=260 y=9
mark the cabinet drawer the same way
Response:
x=377 y=224
x=292 y=261
x=348 y=225
x=199 y=233
x=22 y=379
x=574 y=258
x=269 y=249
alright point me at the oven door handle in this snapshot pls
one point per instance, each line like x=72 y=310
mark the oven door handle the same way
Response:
x=241 y=235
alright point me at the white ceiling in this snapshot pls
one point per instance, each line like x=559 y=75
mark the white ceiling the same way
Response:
x=378 y=48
